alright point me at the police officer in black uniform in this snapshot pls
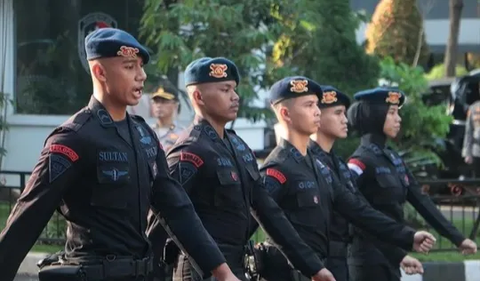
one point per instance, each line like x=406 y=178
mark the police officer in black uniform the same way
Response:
x=385 y=181
x=103 y=169
x=305 y=187
x=220 y=173
x=333 y=125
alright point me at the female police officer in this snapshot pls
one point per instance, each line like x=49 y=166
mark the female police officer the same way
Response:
x=386 y=182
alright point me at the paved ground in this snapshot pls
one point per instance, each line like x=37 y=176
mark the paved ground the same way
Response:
x=25 y=278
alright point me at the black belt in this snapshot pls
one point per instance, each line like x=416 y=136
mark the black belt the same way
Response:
x=337 y=249
x=113 y=267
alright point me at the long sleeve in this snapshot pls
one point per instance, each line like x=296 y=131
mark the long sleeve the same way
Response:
x=178 y=217
x=468 y=137
x=272 y=181
x=362 y=215
x=394 y=254
x=273 y=220
x=424 y=205
x=59 y=167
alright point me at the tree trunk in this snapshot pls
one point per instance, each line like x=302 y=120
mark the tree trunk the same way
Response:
x=455 y=14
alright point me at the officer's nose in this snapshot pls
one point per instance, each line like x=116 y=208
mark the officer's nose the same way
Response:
x=142 y=75
x=235 y=96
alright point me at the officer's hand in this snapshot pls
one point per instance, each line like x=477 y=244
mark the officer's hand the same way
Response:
x=423 y=241
x=468 y=247
x=411 y=265
x=223 y=273
x=323 y=275
x=469 y=159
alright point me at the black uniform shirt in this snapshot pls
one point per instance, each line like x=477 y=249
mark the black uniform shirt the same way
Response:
x=102 y=183
x=385 y=181
x=302 y=186
x=222 y=179
x=339 y=230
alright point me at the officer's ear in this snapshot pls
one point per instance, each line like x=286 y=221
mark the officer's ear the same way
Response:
x=98 y=71
x=195 y=95
x=285 y=113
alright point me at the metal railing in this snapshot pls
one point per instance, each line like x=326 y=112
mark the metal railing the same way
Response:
x=458 y=200
x=12 y=184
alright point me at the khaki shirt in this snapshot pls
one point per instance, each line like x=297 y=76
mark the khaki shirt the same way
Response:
x=168 y=136
x=471 y=141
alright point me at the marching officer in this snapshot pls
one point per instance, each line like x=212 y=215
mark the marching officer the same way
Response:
x=386 y=182
x=333 y=126
x=305 y=188
x=165 y=106
x=219 y=172
x=103 y=169
x=471 y=141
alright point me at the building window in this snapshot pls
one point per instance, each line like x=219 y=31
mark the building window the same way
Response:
x=51 y=73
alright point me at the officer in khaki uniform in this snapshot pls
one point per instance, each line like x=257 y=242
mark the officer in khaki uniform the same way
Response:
x=165 y=105
x=471 y=141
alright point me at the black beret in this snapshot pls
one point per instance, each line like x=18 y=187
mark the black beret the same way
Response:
x=332 y=97
x=208 y=70
x=293 y=87
x=381 y=95
x=165 y=92
x=112 y=42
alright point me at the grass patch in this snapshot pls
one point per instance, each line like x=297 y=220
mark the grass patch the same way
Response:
x=41 y=248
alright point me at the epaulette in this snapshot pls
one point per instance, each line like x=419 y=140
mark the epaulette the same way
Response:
x=138 y=118
x=73 y=123
x=375 y=149
x=77 y=121
x=277 y=156
x=187 y=137
x=231 y=131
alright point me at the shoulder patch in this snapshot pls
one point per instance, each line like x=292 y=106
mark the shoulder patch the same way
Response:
x=65 y=150
x=192 y=158
x=274 y=173
x=356 y=165
x=187 y=171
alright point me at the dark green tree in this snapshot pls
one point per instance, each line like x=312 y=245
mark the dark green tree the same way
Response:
x=395 y=31
x=182 y=31
x=321 y=44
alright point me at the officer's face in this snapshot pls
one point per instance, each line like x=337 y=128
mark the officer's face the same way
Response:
x=304 y=114
x=219 y=100
x=391 y=127
x=124 y=78
x=334 y=122
x=163 y=108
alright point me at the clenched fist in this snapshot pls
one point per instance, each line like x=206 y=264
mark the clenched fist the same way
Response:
x=423 y=241
x=323 y=275
x=411 y=265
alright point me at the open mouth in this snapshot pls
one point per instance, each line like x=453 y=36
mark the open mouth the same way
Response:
x=138 y=91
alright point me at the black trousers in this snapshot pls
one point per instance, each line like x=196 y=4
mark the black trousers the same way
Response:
x=377 y=272
x=338 y=266
x=185 y=272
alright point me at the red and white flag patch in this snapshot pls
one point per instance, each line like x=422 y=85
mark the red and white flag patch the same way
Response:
x=356 y=165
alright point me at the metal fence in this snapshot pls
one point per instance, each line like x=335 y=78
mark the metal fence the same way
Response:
x=459 y=201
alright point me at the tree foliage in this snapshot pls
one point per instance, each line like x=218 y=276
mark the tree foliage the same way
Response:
x=395 y=30
x=438 y=71
x=183 y=31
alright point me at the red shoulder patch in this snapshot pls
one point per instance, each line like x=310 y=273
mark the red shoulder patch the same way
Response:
x=192 y=158
x=277 y=175
x=65 y=150
x=358 y=163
